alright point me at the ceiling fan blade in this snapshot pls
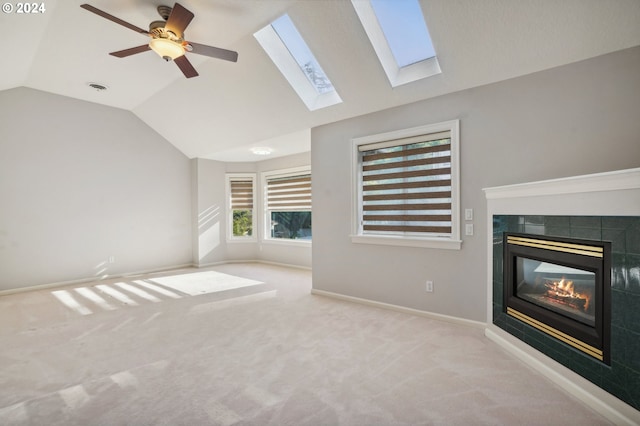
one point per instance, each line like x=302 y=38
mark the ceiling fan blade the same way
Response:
x=178 y=20
x=214 y=52
x=132 y=51
x=113 y=18
x=185 y=66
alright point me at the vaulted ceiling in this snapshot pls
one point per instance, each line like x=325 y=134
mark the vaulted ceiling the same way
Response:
x=232 y=107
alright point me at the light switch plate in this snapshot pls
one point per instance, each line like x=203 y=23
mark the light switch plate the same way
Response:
x=468 y=214
x=468 y=229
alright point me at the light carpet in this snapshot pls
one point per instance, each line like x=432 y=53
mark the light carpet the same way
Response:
x=255 y=348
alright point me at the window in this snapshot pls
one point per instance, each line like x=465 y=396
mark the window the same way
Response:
x=399 y=35
x=241 y=201
x=407 y=187
x=288 y=205
x=289 y=52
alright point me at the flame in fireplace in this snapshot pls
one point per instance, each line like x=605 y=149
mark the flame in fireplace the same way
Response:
x=565 y=287
x=563 y=291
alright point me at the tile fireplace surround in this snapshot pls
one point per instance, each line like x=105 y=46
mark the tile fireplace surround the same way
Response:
x=598 y=207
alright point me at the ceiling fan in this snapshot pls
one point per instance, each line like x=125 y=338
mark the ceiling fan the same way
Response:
x=167 y=38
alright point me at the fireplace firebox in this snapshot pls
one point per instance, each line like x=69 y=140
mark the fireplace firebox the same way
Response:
x=561 y=287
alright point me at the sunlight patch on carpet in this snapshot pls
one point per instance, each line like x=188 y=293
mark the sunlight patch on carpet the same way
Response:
x=204 y=282
x=67 y=299
x=75 y=397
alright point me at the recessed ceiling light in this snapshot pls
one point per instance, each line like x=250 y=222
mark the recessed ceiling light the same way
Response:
x=262 y=150
x=97 y=86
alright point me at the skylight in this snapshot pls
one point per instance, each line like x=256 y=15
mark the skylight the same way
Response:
x=289 y=52
x=290 y=36
x=405 y=30
x=399 y=35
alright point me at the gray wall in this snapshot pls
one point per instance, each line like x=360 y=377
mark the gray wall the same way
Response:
x=80 y=183
x=572 y=120
x=208 y=218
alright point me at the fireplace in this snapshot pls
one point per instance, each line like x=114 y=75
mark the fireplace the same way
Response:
x=562 y=287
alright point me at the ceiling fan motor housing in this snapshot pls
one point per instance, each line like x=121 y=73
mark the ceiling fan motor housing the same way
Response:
x=157 y=30
x=155 y=25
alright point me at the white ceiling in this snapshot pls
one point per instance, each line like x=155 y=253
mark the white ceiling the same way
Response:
x=232 y=107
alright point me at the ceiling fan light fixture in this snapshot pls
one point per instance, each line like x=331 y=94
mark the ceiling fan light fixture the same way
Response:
x=166 y=49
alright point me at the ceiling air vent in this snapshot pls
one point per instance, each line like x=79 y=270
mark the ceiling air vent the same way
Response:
x=97 y=86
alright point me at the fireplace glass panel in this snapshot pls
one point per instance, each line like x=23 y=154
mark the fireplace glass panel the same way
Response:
x=567 y=291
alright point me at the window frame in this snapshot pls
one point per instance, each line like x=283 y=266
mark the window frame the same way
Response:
x=452 y=242
x=266 y=216
x=234 y=177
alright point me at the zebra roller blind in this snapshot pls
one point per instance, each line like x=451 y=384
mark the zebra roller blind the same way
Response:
x=289 y=193
x=406 y=186
x=241 y=194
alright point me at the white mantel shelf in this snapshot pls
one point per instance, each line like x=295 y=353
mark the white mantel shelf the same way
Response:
x=597 y=182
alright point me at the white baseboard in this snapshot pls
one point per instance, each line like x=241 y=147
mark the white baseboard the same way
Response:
x=91 y=279
x=285 y=265
x=264 y=262
x=598 y=399
x=212 y=264
x=133 y=274
x=411 y=311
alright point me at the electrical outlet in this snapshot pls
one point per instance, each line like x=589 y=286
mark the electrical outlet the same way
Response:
x=429 y=287
x=112 y=259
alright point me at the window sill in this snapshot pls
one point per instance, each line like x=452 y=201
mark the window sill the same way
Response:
x=436 y=243
x=287 y=242
x=242 y=240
